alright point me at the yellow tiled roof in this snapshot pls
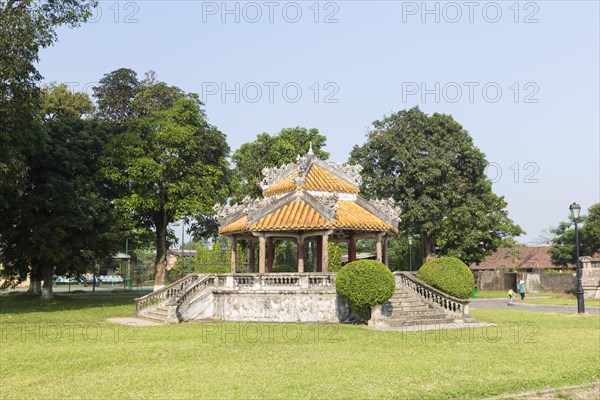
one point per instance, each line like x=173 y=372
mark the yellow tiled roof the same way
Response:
x=285 y=185
x=316 y=179
x=294 y=215
x=320 y=179
x=299 y=215
x=239 y=225
x=352 y=216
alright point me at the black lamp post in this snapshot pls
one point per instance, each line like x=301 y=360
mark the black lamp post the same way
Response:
x=575 y=210
x=410 y=240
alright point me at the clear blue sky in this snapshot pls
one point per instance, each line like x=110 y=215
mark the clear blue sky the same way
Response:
x=522 y=79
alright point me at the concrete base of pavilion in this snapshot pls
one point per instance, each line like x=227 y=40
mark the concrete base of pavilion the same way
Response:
x=292 y=297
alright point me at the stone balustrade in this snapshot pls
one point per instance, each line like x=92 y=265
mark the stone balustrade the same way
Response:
x=185 y=289
x=164 y=295
x=448 y=303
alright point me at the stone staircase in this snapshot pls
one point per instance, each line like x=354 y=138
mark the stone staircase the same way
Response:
x=407 y=308
x=156 y=314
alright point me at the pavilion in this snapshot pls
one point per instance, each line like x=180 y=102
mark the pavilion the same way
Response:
x=309 y=200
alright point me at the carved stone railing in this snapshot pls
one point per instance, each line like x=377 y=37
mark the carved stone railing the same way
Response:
x=184 y=297
x=164 y=295
x=280 y=280
x=450 y=304
x=178 y=296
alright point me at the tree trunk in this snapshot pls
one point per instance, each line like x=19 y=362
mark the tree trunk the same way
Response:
x=428 y=252
x=47 y=293
x=162 y=247
x=35 y=281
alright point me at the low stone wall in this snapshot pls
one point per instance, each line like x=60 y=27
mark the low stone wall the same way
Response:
x=495 y=280
x=280 y=306
x=536 y=281
x=590 y=277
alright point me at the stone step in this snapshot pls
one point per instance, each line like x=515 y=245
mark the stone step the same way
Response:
x=152 y=317
x=412 y=311
x=159 y=311
x=420 y=320
x=406 y=303
x=396 y=324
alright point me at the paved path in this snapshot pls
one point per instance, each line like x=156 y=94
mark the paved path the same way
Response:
x=524 y=306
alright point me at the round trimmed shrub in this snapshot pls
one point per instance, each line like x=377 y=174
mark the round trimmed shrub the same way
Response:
x=365 y=283
x=448 y=274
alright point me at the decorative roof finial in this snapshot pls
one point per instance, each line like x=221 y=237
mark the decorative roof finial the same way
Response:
x=310 y=151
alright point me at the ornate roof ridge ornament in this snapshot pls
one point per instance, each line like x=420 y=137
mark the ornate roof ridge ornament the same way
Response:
x=275 y=174
x=348 y=172
x=225 y=212
x=385 y=209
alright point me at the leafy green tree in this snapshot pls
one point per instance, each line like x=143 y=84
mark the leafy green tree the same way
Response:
x=64 y=221
x=431 y=167
x=115 y=95
x=269 y=151
x=58 y=101
x=563 y=250
x=168 y=163
x=26 y=27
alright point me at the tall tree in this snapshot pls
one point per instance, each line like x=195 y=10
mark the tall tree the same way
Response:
x=63 y=221
x=26 y=27
x=431 y=167
x=563 y=250
x=168 y=163
x=271 y=151
x=115 y=94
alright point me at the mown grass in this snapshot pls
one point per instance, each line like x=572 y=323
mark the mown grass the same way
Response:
x=65 y=349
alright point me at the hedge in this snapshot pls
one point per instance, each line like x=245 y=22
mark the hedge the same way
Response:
x=365 y=283
x=448 y=274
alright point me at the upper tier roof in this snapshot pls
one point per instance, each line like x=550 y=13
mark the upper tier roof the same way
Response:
x=311 y=173
x=309 y=194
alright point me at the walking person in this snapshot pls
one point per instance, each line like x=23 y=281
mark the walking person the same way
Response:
x=511 y=296
x=521 y=289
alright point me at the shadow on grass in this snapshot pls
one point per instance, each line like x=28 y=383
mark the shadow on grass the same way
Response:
x=22 y=303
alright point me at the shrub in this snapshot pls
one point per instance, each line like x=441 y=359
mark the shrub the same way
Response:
x=215 y=269
x=448 y=274
x=365 y=283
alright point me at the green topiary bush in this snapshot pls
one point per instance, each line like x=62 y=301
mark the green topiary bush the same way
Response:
x=448 y=274
x=365 y=283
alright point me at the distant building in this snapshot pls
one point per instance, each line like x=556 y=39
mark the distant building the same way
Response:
x=521 y=259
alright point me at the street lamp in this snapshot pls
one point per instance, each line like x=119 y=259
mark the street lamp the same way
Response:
x=575 y=210
x=410 y=240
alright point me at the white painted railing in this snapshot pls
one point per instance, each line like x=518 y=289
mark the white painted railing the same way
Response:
x=448 y=303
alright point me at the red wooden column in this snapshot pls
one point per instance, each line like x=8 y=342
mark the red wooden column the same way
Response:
x=261 y=254
x=300 y=256
x=379 y=248
x=251 y=256
x=319 y=254
x=233 y=253
x=325 y=253
x=351 y=249
x=385 y=251
x=270 y=254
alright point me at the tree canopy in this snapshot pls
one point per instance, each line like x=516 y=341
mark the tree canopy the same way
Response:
x=269 y=151
x=168 y=163
x=63 y=222
x=563 y=250
x=431 y=167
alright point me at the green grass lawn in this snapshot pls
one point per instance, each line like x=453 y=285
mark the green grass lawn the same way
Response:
x=65 y=349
